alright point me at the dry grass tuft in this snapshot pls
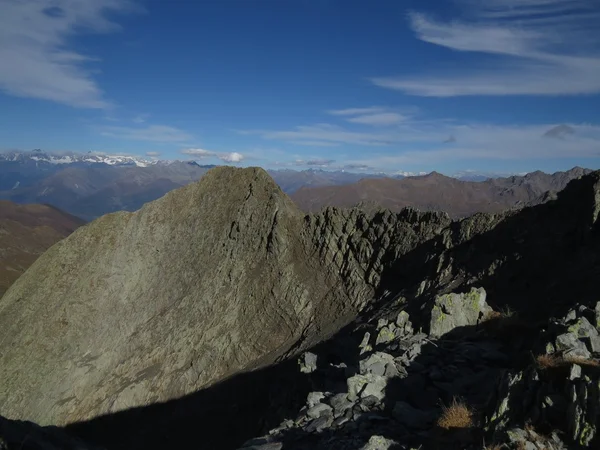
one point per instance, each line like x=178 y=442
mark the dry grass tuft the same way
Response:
x=457 y=415
x=504 y=313
x=555 y=362
x=493 y=315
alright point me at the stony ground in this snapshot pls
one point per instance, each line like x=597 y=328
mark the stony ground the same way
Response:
x=474 y=381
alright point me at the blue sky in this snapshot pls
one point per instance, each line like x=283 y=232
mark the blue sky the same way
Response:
x=501 y=86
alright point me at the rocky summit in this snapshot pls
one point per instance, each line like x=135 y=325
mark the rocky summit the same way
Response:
x=221 y=317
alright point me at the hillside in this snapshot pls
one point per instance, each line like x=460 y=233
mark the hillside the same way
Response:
x=26 y=231
x=436 y=192
x=150 y=329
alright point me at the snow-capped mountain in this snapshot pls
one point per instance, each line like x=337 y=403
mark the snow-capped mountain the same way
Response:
x=73 y=158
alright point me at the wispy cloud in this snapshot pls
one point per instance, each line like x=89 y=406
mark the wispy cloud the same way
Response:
x=373 y=115
x=379 y=119
x=543 y=47
x=323 y=132
x=432 y=144
x=307 y=143
x=315 y=162
x=140 y=118
x=153 y=154
x=356 y=111
x=199 y=153
x=35 y=57
x=151 y=133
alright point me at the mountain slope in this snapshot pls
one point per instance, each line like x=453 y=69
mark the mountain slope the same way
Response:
x=137 y=308
x=26 y=231
x=436 y=192
x=142 y=307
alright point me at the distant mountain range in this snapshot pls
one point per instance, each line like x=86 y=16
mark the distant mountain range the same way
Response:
x=26 y=231
x=436 y=192
x=89 y=185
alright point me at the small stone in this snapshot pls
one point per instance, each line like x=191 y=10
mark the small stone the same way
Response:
x=308 y=362
x=381 y=323
x=340 y=404
x=364 y=345
x=384 y=336
x=314 y=398
x=375 y=388
x=355 y=386
x=571 y=315
x=375 y=363
x=319 y=424
x=339 y=421
x=377 y=369
x=391 y=371
x=369 y=401
x=319 y=410
x=379 y=443
x=575 y=372
x=571 y=346
x=403 y=320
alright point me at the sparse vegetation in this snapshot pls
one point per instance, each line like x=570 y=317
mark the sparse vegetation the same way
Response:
x=559 y=361
x=457 y=415
x=504 y=313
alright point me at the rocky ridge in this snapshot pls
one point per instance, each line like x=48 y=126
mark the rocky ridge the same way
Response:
x=395 y=275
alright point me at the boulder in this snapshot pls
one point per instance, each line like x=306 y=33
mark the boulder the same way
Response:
x=456 y=310
x=379 y=443
x=360 y=386
x=570 y=345
x=320 y=409
x=308 y=362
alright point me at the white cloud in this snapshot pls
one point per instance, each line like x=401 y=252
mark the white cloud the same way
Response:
x=543 y=47
x=199 y=153
x=153 y=154
x=35 y=58
x=140 y=118
x=373 y=115
x=152 y=133
x=356 y=111
x=315 y=143
x=324 y=132
x=234 y=157
x=388 y=118
x=417 y=145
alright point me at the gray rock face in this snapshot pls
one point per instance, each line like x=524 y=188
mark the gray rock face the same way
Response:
x=455 y=310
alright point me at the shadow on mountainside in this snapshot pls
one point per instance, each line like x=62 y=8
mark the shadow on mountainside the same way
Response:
x=468 y=362
x=538 y=262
